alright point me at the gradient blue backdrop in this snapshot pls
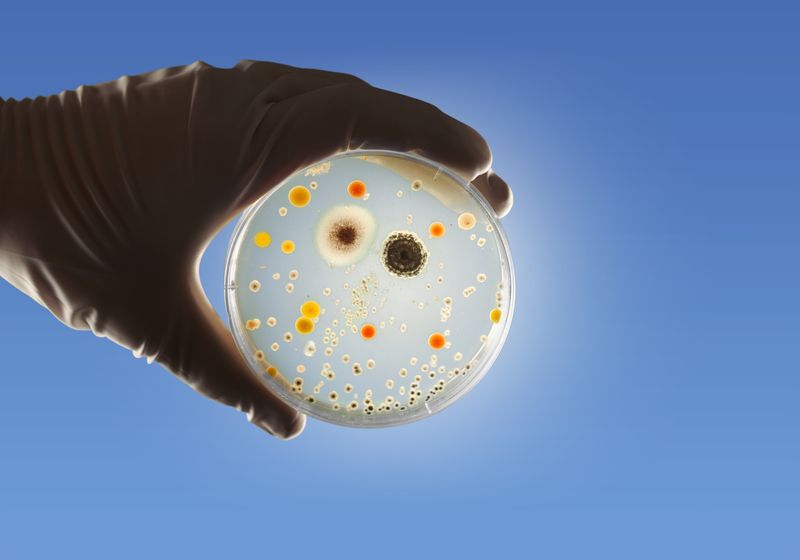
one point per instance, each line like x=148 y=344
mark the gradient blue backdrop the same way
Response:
x=646 y=403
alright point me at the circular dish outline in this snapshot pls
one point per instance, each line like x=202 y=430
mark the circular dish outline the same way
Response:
x=482 y=361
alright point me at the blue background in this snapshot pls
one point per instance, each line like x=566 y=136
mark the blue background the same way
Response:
x=646 y=403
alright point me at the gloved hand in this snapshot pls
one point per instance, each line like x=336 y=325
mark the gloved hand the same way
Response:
x=110 y=193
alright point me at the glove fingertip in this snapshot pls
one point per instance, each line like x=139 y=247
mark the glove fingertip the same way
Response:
x=284 y=429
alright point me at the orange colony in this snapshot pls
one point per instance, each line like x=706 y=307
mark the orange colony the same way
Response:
x=262 y=239
x=436 y=229
x=368 y=331
x=310 y=309
x=299 y=196
x=304 y=325
x=436 y=341
x=357 y=189
x=287 y=247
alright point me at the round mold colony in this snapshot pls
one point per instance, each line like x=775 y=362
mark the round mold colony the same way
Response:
x=344 y=234
x=404 y=255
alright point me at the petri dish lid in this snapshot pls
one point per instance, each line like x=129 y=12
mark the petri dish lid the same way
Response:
x=371 y=289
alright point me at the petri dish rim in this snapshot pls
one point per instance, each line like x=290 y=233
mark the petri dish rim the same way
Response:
x=483 y=360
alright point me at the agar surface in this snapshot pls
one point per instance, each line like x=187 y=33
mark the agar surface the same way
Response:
x=379 y=297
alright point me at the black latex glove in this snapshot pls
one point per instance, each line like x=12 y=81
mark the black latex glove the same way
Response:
x=110 y=193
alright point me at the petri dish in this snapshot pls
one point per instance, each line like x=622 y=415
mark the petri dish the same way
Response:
x=371 y=289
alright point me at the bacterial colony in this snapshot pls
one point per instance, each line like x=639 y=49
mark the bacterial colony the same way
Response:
x=368 y=289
